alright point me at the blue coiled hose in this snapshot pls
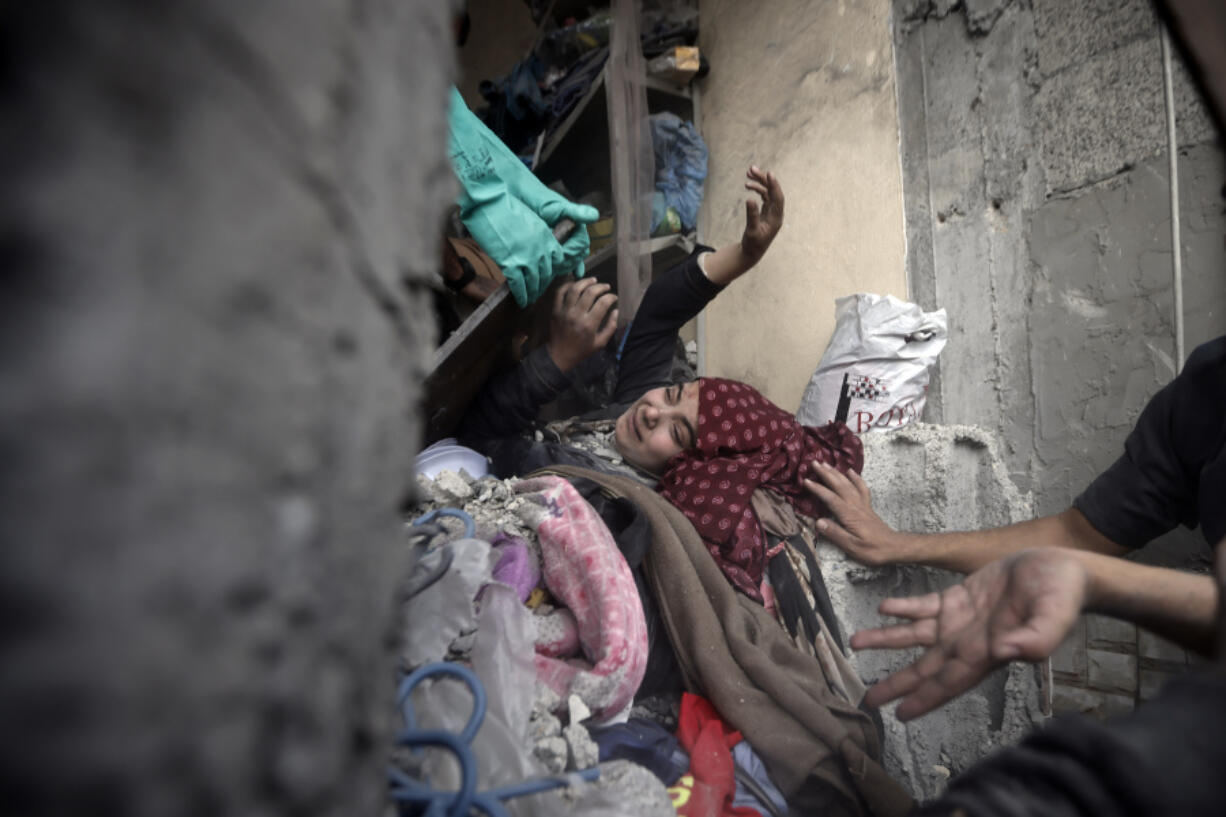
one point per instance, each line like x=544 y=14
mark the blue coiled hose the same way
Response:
x=417 y=798
x=470 y=528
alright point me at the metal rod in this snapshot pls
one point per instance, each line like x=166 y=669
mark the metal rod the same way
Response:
x=700 y=330
x=1172 y=146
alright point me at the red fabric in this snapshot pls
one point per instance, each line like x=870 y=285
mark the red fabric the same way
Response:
x=709 y=742
x=745 y=442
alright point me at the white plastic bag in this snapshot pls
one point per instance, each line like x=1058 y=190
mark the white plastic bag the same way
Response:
x=874 y=374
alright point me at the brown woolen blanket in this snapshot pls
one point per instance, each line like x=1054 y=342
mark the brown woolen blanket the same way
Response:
x=820 y=749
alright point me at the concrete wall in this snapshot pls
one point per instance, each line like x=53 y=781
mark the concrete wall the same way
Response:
x=216 y=218
x=806 y=90
x=1037 y=213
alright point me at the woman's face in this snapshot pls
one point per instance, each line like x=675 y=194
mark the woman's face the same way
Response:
x=661 y=424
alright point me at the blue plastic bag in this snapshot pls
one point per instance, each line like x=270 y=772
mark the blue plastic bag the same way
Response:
x=681 y=166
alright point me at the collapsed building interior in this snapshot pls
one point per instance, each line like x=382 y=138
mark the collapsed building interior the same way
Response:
x=229 y=336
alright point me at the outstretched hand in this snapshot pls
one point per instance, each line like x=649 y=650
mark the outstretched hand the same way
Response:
x=856 y=528
x=1020 y=607
x=762 y=223
x=583 y=321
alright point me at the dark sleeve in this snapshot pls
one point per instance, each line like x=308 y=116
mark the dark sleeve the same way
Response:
x=1154 y=486
x=671 y=300
x=508 y=403
x=1165 y=758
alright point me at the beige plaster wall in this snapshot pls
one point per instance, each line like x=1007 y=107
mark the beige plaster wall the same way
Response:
x=805 y=89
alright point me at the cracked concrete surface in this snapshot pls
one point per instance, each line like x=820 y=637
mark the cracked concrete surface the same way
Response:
x=1034 y=164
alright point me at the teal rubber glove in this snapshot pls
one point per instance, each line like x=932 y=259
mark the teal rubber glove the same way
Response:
x=521 y=244
x=510 y=212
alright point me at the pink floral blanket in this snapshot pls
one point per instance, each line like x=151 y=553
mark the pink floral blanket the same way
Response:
x=585 y=571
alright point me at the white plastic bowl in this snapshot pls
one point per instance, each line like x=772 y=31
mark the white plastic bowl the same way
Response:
x=438 y=458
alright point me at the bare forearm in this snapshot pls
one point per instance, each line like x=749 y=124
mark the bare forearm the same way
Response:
x=727 y=264
x=762 y=224
x=967 y=551
x=1178 y=606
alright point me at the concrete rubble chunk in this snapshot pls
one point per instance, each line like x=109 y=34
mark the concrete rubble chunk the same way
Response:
x=927 y=478
x=584 y=753
x=636 y=791
x=578 y=710
x=552 y=753
x=490 y=502
x=543 y=725
x=451 y=487
x=546 y=701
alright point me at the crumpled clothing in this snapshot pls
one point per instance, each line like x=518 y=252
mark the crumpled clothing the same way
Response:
x=557 y=634
x=703 y=734
x=749 y=763
x=681 y=166
x=586 y=572
x=516 y=565
x=435 y=616
x=646 y=743
x=746 y=442
x=823 y=752
x=568 y=91
x=817 y=630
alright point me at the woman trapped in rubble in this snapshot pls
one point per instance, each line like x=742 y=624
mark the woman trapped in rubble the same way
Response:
x=708 y=444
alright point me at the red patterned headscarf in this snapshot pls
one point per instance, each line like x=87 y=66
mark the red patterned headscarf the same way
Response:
x=745 y=442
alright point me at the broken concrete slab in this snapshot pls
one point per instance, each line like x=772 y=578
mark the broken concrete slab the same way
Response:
x=451 y=488
x=552 y=752
x=577 y=709
x=543 y=725
x=633 y=789
x=546 y=701
x=929 y=478
x=583 y=751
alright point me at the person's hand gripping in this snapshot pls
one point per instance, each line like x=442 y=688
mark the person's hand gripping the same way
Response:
x=583 y=321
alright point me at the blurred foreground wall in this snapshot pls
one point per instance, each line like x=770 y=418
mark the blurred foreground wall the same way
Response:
x=216 y=217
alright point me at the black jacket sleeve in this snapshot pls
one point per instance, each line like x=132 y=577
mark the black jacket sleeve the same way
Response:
x=509 y=402
x=672 y=299
x=1173 y=462
x=1165 y=758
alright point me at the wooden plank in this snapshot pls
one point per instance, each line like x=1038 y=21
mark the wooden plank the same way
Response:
x=452 y=348
x=466 y=360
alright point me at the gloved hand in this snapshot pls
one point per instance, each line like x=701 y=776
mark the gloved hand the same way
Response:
x=552 y=210
x=521 y=244
x=509 y=212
